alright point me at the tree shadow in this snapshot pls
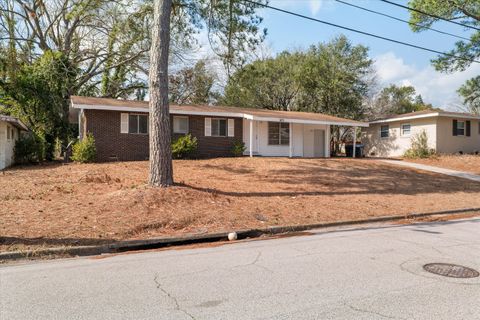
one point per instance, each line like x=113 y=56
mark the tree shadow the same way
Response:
x=308 y=179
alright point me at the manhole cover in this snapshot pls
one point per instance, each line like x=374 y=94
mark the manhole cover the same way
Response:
x=451 y=270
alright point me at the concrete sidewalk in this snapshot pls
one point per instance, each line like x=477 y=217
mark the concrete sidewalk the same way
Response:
x=449 y=172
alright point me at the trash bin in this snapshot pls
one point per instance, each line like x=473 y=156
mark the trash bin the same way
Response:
x=358 y=151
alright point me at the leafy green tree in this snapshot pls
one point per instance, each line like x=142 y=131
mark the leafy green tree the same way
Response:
x=464 y=11
x=38 y=95
x=397 y=100
x=335 y=77
x=470 y=92
x=193 y=85
x=266 y=84
x=329 y=78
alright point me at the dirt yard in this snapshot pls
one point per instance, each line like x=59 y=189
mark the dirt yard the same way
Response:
x=467 y=163
x=60 y=205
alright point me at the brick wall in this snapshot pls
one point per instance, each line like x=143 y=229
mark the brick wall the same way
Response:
x=111 y=144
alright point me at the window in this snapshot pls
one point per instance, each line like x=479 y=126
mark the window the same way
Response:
x=180 y=124
x=278 y=133
x=406 y=129
x=219 y=127
x=138 y=123
x=8 y=133
x=384 y=131
x=460 y=128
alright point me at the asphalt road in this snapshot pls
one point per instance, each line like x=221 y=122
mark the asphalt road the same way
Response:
x=374 y=273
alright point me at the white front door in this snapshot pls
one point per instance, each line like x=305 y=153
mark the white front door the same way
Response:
x=318 y=143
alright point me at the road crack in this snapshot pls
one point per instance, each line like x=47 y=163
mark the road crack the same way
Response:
x=255 y=263
x=370 y=312
x=171 y=297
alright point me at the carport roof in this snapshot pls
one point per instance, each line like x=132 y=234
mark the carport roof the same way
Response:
x=247 y=113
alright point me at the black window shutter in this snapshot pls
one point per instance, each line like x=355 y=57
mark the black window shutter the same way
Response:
x=454 y=127
x=468 y=127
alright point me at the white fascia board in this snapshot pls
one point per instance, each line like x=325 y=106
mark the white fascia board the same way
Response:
x=323 y=122
x=420 y=116
x=207 y=113
x=146 y=110
x=473 y=117
x=108 y=108
x=218 y=114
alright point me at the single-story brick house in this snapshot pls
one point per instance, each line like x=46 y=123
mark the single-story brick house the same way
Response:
x=120 y=128
x=447 y=132
x=10 y=129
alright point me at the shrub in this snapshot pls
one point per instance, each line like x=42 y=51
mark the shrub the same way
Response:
x=238 y=148
x=184 y=147
x=84 y=150
x=29 y=148
x=419 y=148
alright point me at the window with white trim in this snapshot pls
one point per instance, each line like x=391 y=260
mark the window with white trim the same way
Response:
x=219 y=127
x=406 y=129
x=138 y=124
x=460 y=128
x=278 y=133
x=180 y=124
x=385 y=131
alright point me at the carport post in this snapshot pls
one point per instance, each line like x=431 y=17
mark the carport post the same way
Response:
x=290 y=139
x=251 y=138
x=354 y=141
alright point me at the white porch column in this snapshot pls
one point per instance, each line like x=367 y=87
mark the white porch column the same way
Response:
x=354 y=141
x=327 y=142
x=290 y=137
x=250 y=138
x=80 y=127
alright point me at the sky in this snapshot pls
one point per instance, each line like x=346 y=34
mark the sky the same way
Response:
x=394 y=63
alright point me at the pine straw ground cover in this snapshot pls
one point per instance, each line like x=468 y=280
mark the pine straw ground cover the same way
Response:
x=467 y=163
x=62 y=205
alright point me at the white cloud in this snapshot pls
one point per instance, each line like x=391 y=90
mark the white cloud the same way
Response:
x=314 y=6
x=435 y=87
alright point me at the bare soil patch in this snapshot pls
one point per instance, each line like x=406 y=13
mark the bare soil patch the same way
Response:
x=64 y=205
x=466 y=163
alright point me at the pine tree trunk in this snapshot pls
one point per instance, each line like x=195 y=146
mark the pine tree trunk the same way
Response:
x=161 y=170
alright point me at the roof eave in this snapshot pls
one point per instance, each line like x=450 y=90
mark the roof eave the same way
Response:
x=428 y=115
x=339 y=122
x=420 y=116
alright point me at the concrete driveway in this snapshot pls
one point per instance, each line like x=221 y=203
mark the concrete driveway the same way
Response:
x=373 y=273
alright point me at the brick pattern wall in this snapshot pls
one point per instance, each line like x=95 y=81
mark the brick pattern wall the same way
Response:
x=112 y=145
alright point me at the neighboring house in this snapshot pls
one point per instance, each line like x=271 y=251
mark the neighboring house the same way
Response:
x=447 y=132
x=10 y=129
x=120 y=129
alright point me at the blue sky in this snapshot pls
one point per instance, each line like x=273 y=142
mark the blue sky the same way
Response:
x=394 y=63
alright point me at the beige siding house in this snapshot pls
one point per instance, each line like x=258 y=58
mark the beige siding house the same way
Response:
x=447 y=132
x=10 y=129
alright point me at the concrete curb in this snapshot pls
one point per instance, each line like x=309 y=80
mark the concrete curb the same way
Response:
x=154 y=243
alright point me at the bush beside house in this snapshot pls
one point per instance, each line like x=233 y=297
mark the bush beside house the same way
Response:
x=29 y=148
x=238 y=148
x=419 y=148
x=84 y=150
x=184 y=147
